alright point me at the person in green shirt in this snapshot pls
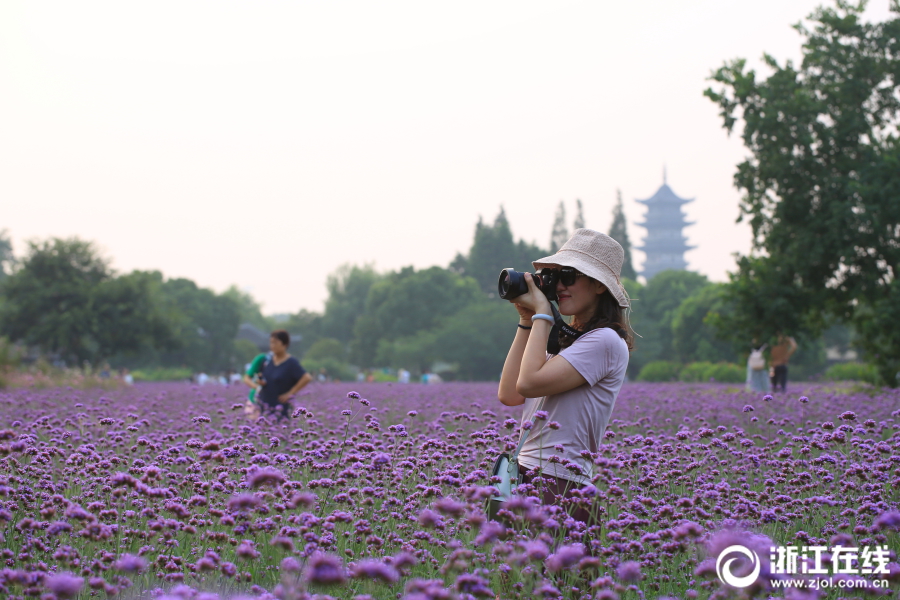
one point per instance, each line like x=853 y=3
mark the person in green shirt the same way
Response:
x=251 y=378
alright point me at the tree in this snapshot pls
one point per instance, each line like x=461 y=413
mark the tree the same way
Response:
x=407 y=302
x=249 y=309
x=493 y=249
x=308 y=325
x=348 y=287
x=6 y=254
x=559 y=234
x=619 y=232
x=695 y=336
x=65 y=300
x=578 y=223
x=206 y=326
x=655 y=306
x=475 y=340
x=821 y=184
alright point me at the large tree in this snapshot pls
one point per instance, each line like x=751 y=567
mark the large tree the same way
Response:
x=578 y=223
x=493 y=249
x=407 y=302
x=560 y=233
x=822 y=183
x=619 y=232
x=65 y=300
x=6 y=254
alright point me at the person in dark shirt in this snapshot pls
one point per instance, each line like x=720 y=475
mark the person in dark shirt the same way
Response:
x=282 y=376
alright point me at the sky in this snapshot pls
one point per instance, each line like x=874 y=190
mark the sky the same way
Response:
x=264 y=143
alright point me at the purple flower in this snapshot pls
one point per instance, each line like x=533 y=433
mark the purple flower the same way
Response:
x=429 y=518
x=804 y=399
x=767 y=397
x=404 y=560
x=474 y=585
x=65 y=585
x=747 y=408
x=375 y=569
x=354 y=395
x=490 y=531
x=449 y=506
x=246 y=550
x=325 y=569
x=887 y=520
x=565 y=557
x=129 y=563
x=266 y=476
x=629 y=571
x=241 y=502
x=535 y=550
x=848 y=416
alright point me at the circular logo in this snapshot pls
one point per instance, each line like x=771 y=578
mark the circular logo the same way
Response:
x=724 y=570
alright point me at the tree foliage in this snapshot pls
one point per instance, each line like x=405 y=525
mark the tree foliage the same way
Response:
x=578 y=223
x=493 y=249
x=560 y=233
x=619 y=232
x=65 y=300
x=407 y=302
x=821 y=183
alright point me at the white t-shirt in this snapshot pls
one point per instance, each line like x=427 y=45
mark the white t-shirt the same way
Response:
x=601 y=357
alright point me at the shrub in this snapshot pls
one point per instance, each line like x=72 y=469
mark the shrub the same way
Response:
x=696 y=371
x=852 y=371
x=334 y=368
x=162 y=374
x=659 y=370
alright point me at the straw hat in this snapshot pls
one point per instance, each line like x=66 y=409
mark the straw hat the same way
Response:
x=596 y=255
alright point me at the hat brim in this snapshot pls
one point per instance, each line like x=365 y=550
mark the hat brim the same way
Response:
x=591 y=267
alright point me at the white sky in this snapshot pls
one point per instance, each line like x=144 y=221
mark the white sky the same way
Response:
x=264 y=143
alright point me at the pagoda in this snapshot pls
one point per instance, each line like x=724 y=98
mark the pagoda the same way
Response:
x=665 y=243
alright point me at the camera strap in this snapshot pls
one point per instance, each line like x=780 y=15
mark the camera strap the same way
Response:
x=560 y=326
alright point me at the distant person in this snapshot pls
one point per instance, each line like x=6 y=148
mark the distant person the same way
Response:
x=780 y=355
x=251 y=378
x=323 y=375
x=202 y=378
x=757 y=375
x=281 y=377
x=403 y=376
x=127 y=377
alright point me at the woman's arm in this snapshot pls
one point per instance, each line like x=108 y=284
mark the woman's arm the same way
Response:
x=297 y=387
x=539 y=376
x=246 y=379
x=533 y=374
x=507 y=392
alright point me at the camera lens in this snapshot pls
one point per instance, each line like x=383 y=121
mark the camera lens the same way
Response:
x=511 y=284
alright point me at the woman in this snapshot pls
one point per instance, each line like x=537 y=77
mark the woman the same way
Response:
x=281 y=376
x=757 y=373
x=578 y=387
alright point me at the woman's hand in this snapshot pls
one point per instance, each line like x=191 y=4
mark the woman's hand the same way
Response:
x=531 y=302
x=284 y=397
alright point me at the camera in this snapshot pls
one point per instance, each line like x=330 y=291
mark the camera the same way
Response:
x=512 y=283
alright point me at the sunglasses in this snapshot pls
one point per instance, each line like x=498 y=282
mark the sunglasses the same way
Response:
x=565 y=275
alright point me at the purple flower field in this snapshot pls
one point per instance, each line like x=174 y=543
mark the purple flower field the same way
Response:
x=167 y=491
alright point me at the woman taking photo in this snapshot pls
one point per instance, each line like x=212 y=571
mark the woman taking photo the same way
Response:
x=576 y=388
x=281 y=376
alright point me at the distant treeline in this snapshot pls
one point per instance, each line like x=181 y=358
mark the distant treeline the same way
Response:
x=63 y=300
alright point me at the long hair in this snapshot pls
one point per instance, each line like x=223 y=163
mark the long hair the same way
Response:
x=607 y=313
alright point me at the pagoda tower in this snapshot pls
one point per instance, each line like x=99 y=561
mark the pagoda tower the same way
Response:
x=665 y=243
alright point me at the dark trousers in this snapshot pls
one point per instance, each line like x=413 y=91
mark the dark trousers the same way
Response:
x=779 y=376
x=557 y=491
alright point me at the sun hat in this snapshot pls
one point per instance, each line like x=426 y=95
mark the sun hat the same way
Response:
x=596 y=255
